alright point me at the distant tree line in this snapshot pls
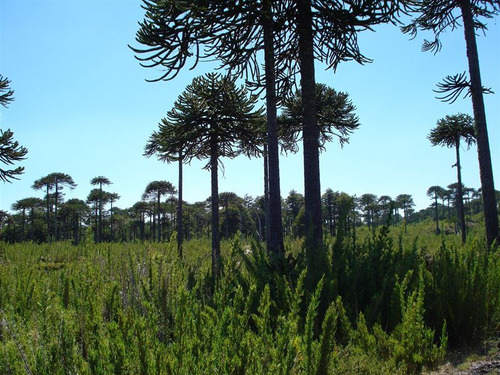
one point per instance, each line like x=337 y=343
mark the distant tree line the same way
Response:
x=155 y=217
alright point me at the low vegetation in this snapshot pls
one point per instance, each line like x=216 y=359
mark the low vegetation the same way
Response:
x=390 y=303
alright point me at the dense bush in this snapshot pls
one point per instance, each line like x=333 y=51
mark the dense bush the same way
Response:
x=385 y=306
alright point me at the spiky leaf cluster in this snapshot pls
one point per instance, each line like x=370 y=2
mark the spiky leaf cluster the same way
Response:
x=211 y=109
x=10 y=152
x=156 y=188
x=453 y=86
x=336 y=118
x=440 y=15
x=6 y=94
x=453 y=128
x=174 y=32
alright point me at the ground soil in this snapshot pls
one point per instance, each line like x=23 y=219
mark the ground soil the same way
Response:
x=484 y=360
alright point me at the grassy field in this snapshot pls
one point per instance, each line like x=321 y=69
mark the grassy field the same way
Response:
x=393 y=302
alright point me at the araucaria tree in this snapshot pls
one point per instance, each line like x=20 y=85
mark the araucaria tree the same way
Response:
x=438 y=16
x=100 y=180
x=10 y=150
x=159 y=145
x=448 y=132
x=233 y=33
x=436 y=192
x=155 y=190
x=211 y=119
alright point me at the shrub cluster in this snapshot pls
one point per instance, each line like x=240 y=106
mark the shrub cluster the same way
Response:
x=382 y=307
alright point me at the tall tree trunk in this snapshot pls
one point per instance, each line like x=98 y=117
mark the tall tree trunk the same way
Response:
x=275 y=226
x=312 y=188
x=111 y=222
x=55 y=213
x=436 y=211
x=32 y=220
x=483 y=146
x=179 y=209
x=214 y=155
x=99 y=231
x=48 y=213
x=266 y=197
x=460 y=199
x=23 y=235
x=159 y=214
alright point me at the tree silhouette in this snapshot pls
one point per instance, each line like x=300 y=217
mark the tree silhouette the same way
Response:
x=100 y=180
x=336 y=118
x=330 y=206
x=436 y=192
x=6 y=93
x=405 y=201
x=48 y=184
x=21 y=205
x=232 y=33
x=59 y=180
x=158 y=145
x=448 y=132
x=213 y=118
x=321 y=31
x=155 y=190
x=438 y=16
x=76 y=210
x=10 y=150
x=368 y=202
x=111 y=198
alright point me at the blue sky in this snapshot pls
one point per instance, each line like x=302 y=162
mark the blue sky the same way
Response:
x=82 y=107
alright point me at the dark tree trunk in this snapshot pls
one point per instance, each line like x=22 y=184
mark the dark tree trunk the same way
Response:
x=266 y=198
x=436 y=212
x=179 y=210
x=48 y=214
x=55 y=213
x=99 y=239
x=312 y=188
x=460 y=199
x=483 y=146
x=275 y=226
x=214 y=155
x=158 y=215
x=23 y=234
x=32 y=220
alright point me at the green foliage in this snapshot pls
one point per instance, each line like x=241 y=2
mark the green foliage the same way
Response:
x=385 y=308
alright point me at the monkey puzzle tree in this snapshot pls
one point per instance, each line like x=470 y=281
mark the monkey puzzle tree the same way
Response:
x=233 y=33
x=10 y=150
x=6 y=93
x=47 y=184
x=76 y=210
x=21 y=205
x=448 y=132
x=211 y=119
x=112 y=198
x=336 y=118
x=405 y=202
x=326 y=32
x=100 y=180
x=156 y=189
x=329 y=199
x=368 y=202
x=436 y=192
x=59 y=180
x=438 y=16
x=158 y=145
